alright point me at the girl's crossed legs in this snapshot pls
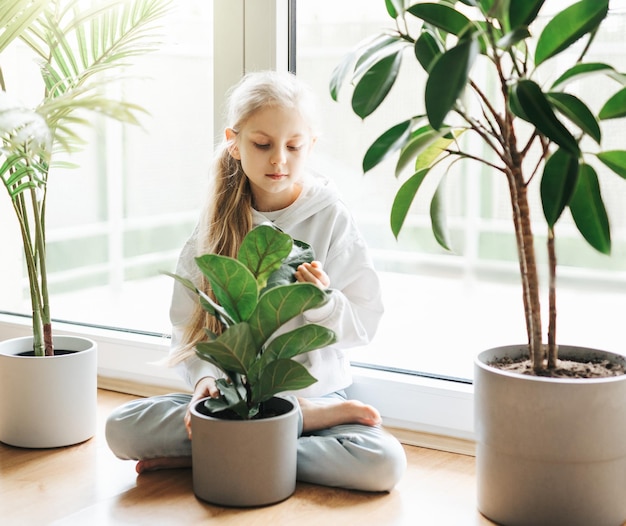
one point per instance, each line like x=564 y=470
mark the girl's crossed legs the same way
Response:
x=341 y=442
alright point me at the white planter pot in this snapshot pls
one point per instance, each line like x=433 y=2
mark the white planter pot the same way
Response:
x=244 y=463
x=550 y=451
x=48 y=401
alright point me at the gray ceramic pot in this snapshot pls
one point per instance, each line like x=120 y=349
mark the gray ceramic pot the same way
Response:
x=550 y=451
x=245 y=463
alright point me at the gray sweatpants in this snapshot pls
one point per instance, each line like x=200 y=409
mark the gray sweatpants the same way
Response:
x=350 y=456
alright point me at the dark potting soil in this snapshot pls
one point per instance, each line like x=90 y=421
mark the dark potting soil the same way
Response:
x=57 y=352
x=269 y=409
x=564 y=368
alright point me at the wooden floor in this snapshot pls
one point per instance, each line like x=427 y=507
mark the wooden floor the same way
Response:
x=86 y=485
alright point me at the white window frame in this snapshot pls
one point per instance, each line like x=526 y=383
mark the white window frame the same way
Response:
x=252 y=35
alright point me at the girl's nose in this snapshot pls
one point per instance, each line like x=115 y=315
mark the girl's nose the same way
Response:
x=278 y=157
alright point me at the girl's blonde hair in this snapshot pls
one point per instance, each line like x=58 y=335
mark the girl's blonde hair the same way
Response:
x=227 y=215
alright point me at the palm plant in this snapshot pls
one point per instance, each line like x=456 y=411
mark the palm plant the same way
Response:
x=79 y=45
x=530 y=129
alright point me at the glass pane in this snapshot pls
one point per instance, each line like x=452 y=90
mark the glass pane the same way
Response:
x=442 y=308
x=125 y=212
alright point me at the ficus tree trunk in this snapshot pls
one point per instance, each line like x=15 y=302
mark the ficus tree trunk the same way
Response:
x=528 y=268
x=525 y=247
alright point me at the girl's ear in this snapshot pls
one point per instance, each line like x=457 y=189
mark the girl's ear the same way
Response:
x=231 y=138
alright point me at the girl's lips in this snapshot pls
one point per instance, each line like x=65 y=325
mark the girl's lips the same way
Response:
x=276 y=176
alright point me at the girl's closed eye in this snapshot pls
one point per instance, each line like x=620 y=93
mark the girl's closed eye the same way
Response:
x=261 y=146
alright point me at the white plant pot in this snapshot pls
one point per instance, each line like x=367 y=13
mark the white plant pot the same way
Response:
x=550 y=451
x=244 y=463
x=48 y=401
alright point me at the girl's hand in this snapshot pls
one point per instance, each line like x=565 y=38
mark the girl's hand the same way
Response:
x=313 y=273
x=205 y=387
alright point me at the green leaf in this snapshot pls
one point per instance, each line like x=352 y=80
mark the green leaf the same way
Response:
x=447 y=80
x=301 y=252
x=234 y=350
x=387 y=144
x=441 y=16
x=577 y=112
x=568 y=26
x=232 y=283
x=229 y=391
x=281 y=376
x=522 y=14
x=300 y=340
x=557 y=184
x=494 y=8
x=430 y=154
x=514 y=105
x=262 y=251
x=395 y=8
x=20 y=171
x=536 y=109
x=232 y=398
x=207 y=303
x=420 y=141
x=403 y=200
x=589 y=212
x=216 y=405
x=365 y=54
x=427 y=49
x=587 y=69
x=438 y=217
x=339 y=73
x=615 y=160
x=384 y=46
x=280 y=304
x=615 y=107
x=512 y=38
x=375 y=84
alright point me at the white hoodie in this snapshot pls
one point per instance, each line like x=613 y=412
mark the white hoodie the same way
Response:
x=319 y=218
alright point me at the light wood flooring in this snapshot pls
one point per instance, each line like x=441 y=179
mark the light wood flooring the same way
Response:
x=86 y=485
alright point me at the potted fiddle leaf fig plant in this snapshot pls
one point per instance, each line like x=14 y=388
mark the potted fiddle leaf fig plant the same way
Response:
x=550 y=449
x=255 y=295
x=80 y=48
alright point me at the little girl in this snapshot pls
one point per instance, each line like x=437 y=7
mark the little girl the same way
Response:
x=260 y=176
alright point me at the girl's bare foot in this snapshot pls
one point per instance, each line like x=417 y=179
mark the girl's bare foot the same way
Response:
x=322 y=416
x=154 y=464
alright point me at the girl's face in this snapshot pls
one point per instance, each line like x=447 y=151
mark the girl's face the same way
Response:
x=273 y=146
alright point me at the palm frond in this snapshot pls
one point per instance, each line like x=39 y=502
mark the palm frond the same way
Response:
x=80 y=44
x=16 y=16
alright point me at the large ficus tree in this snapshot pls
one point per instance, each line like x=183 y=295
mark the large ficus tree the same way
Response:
x=531 y=130
x=80 y=47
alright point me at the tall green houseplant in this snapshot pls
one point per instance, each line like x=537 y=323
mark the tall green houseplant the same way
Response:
x=79 y=46
x=531 y=130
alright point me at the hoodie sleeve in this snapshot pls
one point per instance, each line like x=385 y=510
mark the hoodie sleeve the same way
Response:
x=355 y=306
